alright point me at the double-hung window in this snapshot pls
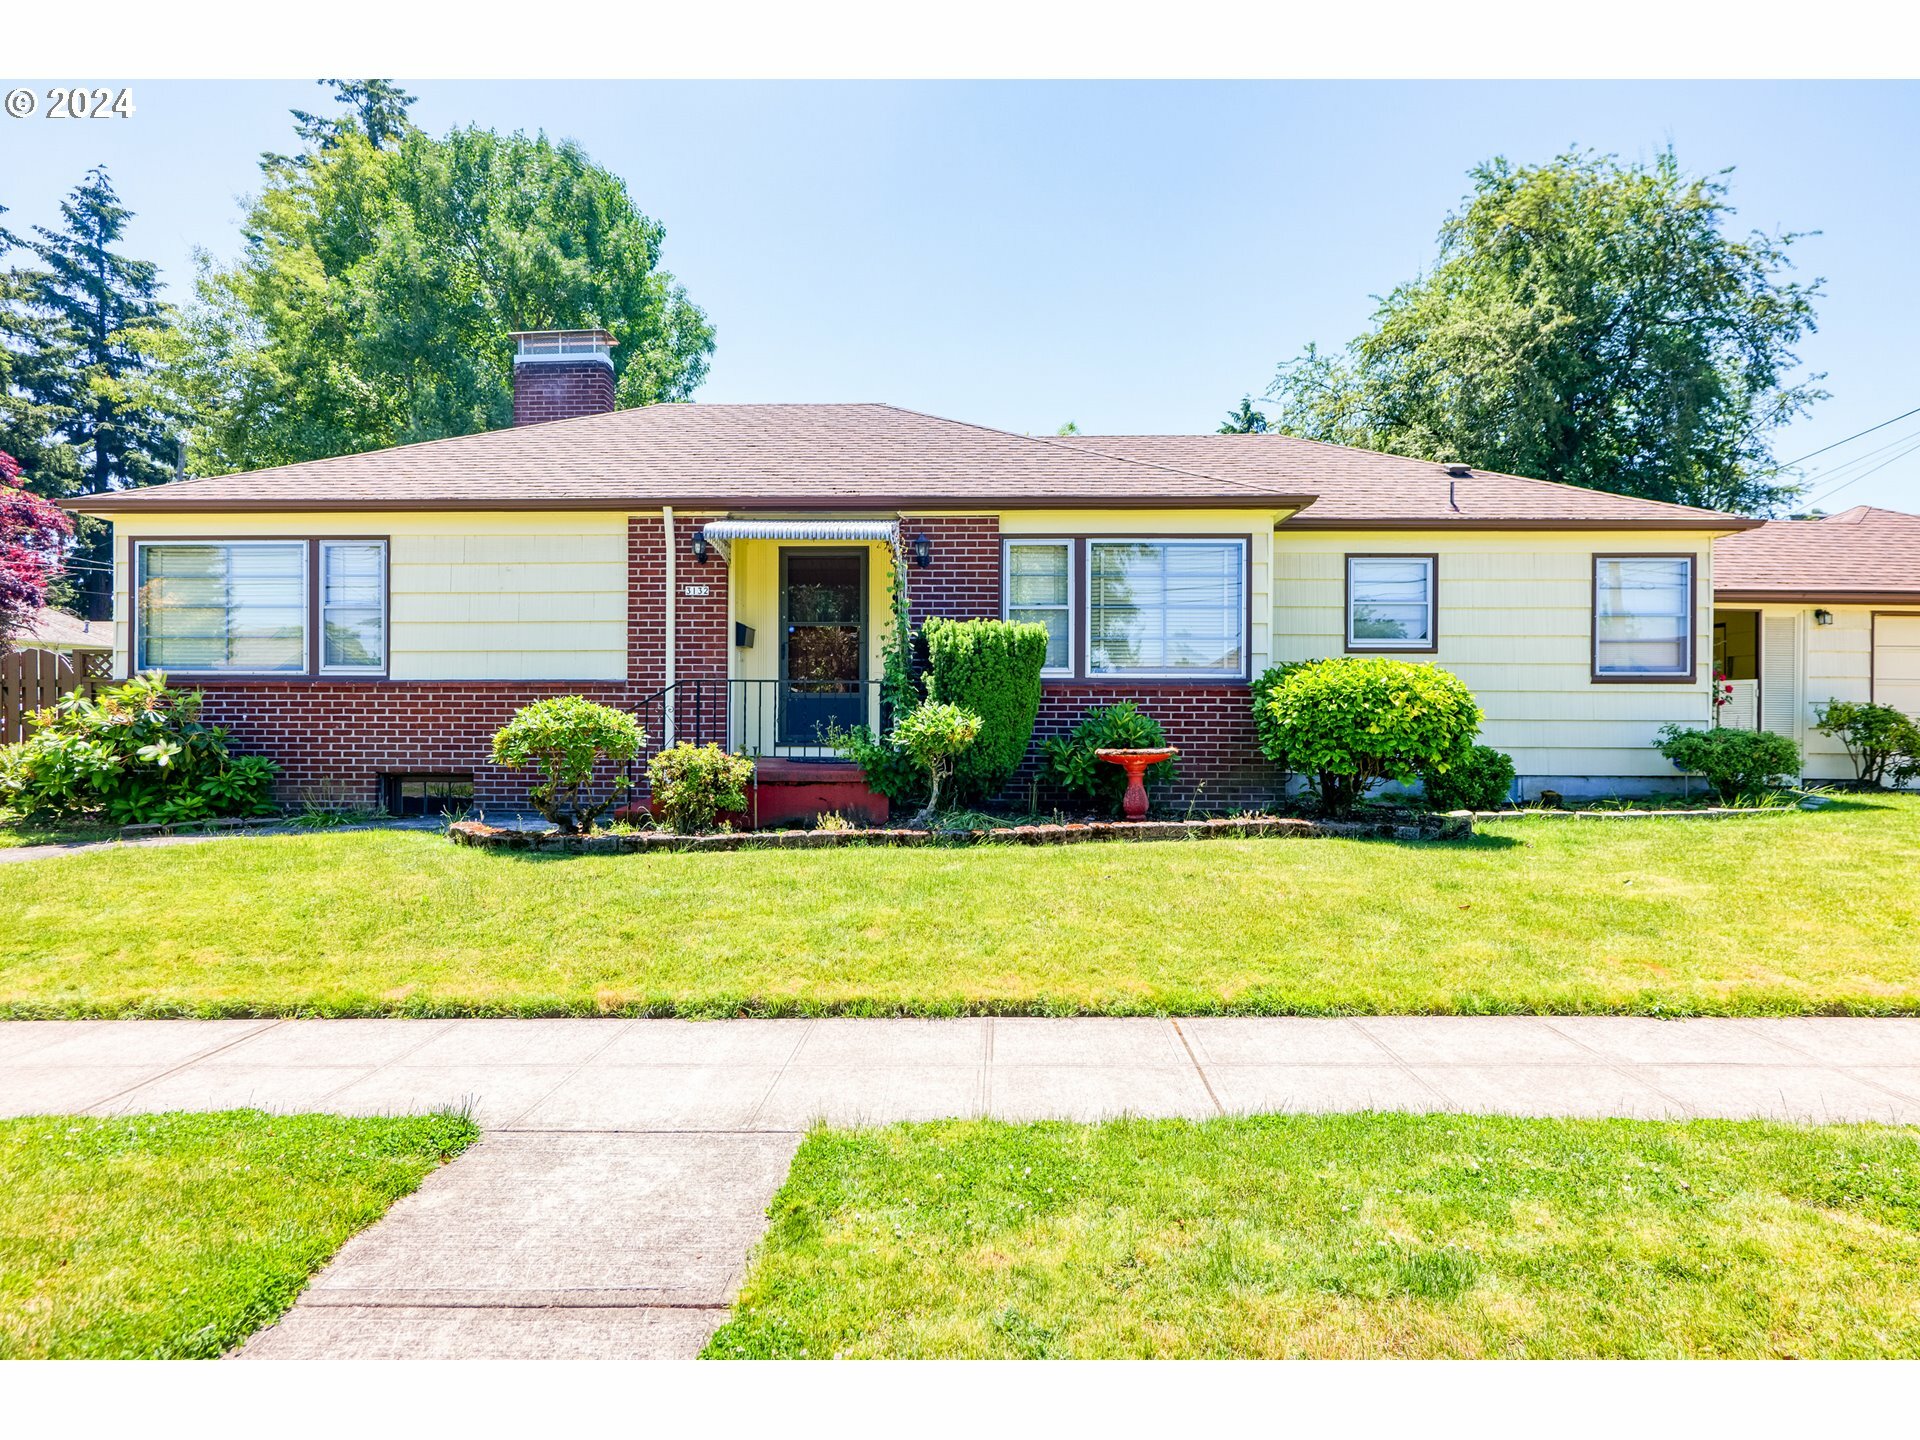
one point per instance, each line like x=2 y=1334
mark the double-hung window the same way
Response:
x=261 y=607
x=1643 y=614
x=1167 y=608
x=1039 y=590
x=1391 y=602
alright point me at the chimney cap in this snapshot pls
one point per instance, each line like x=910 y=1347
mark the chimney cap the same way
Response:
x=538 y=345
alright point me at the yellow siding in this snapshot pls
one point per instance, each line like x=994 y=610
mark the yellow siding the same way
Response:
x=1515 y=623
x=512 y=595
x=1837 y=665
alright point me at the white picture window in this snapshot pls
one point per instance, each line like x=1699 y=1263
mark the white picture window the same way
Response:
x=1643 y=616
x=1172 y=608
x=1039 y=590
x=353 y=606
x=212 y=607
x=1390 y=602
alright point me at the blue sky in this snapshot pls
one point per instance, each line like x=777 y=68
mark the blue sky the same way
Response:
x=1131 y=256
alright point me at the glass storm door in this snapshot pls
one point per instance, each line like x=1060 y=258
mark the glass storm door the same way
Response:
x=823 y=643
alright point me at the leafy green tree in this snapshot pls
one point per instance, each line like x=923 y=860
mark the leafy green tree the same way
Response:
x=1586 y=321
x=372 y=303
x=1244 y=419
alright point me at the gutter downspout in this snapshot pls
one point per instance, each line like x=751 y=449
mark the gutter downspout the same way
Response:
x=666 y=709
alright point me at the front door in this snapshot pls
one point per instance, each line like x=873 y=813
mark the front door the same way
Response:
x=823 y=643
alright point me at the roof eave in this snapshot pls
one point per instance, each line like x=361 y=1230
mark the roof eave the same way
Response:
x=1715 y=525
x=106 y=506
x=1827 y=596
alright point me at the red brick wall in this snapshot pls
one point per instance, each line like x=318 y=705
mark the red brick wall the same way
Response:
x=557 y=390
x=963 y=582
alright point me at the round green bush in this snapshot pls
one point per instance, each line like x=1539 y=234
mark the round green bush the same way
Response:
x=1882 y=742
x=565 y=737
x=1734 y=762
x=1479 y=779
x=694 y=785
x=1075 y=768
x=135 y=754
x=1352 y=722
x=935 y=734
x=992 y=668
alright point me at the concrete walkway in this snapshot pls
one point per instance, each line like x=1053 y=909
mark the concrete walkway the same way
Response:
x=627 y=1164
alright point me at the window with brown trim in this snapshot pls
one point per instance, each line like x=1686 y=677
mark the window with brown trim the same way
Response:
x=282 y=606
x=1393 y=602
x=1643 y=617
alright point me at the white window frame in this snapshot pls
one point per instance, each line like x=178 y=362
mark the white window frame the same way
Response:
x=1240 y=542
x=1067 y=545
x=140 y=665
x=1424 y=646
x=1689 y=671
x=318 y=623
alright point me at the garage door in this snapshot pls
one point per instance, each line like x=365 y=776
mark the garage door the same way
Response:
x=1896 y=661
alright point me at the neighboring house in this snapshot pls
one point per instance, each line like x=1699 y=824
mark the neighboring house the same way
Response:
x=65 y=634
x=369 y=621
x=1806 y=611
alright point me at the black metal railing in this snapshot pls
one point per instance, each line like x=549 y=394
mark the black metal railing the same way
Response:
x=790 y=719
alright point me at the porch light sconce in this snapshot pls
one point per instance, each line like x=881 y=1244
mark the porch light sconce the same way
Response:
x=1823 y=617
x=922 y=551
x=700 y=546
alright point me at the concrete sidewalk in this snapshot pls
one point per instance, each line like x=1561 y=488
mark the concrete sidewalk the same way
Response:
x=782 y=1075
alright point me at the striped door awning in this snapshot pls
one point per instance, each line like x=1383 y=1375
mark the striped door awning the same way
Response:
x=722 y=533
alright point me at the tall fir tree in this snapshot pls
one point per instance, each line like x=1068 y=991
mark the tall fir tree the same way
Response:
x=77 y=322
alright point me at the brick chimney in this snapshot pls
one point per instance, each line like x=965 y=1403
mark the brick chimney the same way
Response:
x=561 y=374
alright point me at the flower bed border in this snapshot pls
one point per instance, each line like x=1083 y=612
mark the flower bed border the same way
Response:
x=1456 y=826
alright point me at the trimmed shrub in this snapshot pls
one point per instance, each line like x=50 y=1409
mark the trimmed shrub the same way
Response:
x=935 y=734
x=889 y=770
x=1480 y=779
x=565 y=738
x=1734 y=762
x=991 y=667
x=1882 y=742
x=1075 y=768
x=694 y=785
x=1352 y=722
x=138 y=754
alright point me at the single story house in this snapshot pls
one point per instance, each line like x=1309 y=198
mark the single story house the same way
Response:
x=729 y=572
x=1806 y=611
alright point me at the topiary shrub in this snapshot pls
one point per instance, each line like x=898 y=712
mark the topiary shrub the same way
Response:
x=1075 y=768
x=1882 y=742
x=1734 y=762
x=693 y=785
x=566 y=737
x=935 y=734
x=138 y=754
x=1352 y=722
x=991 y=667
x=1479 y=779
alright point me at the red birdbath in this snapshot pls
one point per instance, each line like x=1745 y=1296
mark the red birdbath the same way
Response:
x=1135 y=763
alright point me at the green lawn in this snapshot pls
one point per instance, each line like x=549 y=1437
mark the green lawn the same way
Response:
x=15 y=832
x=1341 y=1236
x=1781 y=913
x=176 y=1236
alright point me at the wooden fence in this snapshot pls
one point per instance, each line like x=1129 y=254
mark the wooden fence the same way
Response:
x=30 y=679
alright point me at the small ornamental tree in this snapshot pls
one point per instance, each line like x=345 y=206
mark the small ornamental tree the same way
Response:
x=934 y=734
x=565 y=738
x=1734 y=762
x=694 y=785
x=33 y=537
x=1882 y=742
x=1353 y=722
x=991 y=667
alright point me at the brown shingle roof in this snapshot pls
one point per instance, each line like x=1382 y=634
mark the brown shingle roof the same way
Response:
x=721 y=456
x=1365 y=489
x=1863 y=555
x=879 y=457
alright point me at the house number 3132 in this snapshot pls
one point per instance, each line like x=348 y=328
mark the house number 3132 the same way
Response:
x=696 y=592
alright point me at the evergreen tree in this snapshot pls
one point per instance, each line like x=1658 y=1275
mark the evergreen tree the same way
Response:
x=1245 y=420
x=379 y=108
